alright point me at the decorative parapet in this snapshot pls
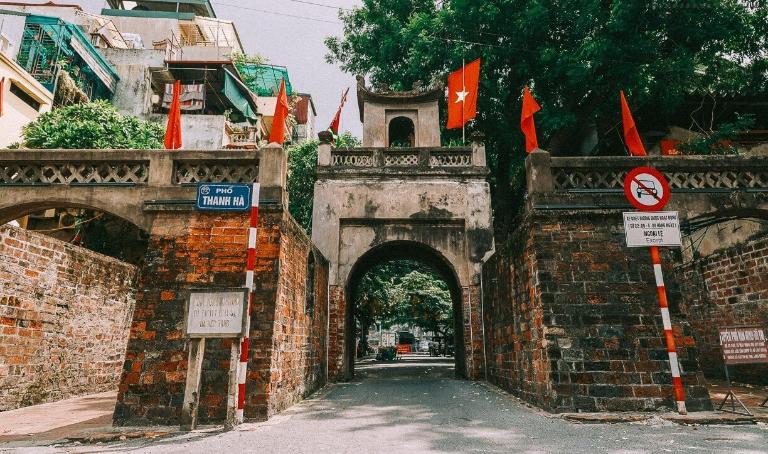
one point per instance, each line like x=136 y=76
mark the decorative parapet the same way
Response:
x=685 y=173
x=402 y=158
x=425 y=158
x=700 y=185
x=135 y=167
x=132 y=184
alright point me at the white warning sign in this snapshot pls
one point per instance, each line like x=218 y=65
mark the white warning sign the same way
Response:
x=658 y=228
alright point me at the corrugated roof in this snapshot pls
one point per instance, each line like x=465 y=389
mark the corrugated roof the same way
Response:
x=264 y=80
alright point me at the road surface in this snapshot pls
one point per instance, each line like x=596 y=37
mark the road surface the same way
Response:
x=416 y=406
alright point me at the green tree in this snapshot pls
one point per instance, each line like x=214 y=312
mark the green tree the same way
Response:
x=575 y=54
x=423 y=300
x=302 y=172
x=403 y=292
x=95 y=124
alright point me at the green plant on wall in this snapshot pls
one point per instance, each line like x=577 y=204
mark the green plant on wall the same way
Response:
x=96 y=124
x=302 y=171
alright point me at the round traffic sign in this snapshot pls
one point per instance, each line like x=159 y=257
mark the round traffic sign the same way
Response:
x=647 y=189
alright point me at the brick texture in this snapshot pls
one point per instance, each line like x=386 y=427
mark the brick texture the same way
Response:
x=209 y=250
x=573 y=323
x=65 y=314
x=727 y=288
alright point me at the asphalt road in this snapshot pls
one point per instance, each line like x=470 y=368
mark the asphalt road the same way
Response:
x=416 y=406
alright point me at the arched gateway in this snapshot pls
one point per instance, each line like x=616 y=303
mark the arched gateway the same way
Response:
x=427 y=203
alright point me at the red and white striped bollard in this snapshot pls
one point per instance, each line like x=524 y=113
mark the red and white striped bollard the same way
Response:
x=242 y=369
x=677 y=382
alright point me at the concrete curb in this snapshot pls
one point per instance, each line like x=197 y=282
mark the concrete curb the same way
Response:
x=107 y=437
x=697 y=418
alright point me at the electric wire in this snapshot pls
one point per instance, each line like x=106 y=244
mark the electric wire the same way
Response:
x=276 y=13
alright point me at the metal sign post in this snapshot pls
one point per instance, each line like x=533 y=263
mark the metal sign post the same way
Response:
x=648 y=190
x=236 y=197
x=216 y=313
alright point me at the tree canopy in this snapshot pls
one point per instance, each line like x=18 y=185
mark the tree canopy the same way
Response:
x=302 y=172
x=96 y=124
x=403 y=292
x=574 y=54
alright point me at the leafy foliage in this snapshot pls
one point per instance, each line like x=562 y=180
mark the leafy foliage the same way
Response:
x=718 y=142
x=95 y=124
x=302 y=172
x=423 y=300
x=243 y=61
x=575 y=54
x=404 y=292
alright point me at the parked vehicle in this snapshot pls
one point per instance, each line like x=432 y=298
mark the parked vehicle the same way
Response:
x=386 y=354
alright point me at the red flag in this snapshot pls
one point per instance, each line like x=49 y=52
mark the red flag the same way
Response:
x=530 y=107
x=462 y=94
x=173 y=129
x=631 y=136
x=337 y=118
x=277 y=134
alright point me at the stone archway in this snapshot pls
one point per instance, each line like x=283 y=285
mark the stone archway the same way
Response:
x=416 y=251
x=433 y=199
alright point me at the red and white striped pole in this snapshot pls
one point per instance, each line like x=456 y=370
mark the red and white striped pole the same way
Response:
x=242 y=368
x=677 y=383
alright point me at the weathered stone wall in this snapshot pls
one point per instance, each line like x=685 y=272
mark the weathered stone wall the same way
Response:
x=209 y=250
x=584 y=331
x=65 y=313
x=337 y=333
x=516 y=359
x=727 y=288
x=298 y=358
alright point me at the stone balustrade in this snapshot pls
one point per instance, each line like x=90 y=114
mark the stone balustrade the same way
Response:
x=701 y=185
x=132 y=184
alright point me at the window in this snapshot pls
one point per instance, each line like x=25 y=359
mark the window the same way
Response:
x=401 y=132
x=309 y=305
x=24 y=96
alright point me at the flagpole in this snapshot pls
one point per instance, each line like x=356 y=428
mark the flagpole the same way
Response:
x=341 y=106
x=463 y=101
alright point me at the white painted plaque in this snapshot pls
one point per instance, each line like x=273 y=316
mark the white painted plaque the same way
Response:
x=216 y=313
x=657 y=228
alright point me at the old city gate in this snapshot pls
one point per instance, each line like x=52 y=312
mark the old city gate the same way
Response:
x=403 y=196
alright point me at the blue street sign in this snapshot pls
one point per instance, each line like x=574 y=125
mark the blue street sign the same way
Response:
x=223 y=197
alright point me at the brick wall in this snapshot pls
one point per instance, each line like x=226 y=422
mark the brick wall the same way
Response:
x=337 y=340
x=514 y=334
x=209 y=250
x=727 y=288
x=579 y=327
x=65 y=313
x=472 y=324
x=298 y=360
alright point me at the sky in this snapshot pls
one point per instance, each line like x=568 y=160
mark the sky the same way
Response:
x=281 y=31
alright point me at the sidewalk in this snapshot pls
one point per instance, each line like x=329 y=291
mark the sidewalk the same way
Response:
x=751 y=395
x=57 y=420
